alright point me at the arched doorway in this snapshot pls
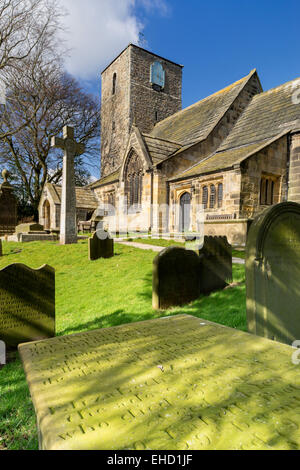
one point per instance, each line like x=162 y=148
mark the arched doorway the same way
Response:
x=185 y=212
x=46 y=215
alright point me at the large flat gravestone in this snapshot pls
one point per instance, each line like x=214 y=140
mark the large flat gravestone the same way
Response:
x=100 y=245
x=174 y=383
x=175 y=278
x=29 y=228
x=27 y=304
x=216 y=264
x=273 y=273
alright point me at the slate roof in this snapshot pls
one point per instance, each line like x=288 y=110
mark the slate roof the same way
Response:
x=111 y=178
x=85 y=198
x=195 y=123
x=159 y=149
x=226 y=159
x=267 y=115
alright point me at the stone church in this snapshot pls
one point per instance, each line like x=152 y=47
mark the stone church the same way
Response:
x=235 y=152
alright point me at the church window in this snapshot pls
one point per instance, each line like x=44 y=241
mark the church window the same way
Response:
x=114 y=83
x=212 y=199
x=157 y=76
x=267 y=185
x=220 y=194
x=134 y=180
x=205 y=196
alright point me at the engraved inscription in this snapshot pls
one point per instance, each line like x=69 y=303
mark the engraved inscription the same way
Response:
x=27 y=304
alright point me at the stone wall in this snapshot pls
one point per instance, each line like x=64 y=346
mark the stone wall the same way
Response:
x=148 y=106
x=134 y=101
x=115 y=125
x=269 y=162
x=294 y=172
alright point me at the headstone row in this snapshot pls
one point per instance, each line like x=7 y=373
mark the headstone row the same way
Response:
x=180 y=275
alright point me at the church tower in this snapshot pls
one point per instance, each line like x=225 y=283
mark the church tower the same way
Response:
x=139 y=88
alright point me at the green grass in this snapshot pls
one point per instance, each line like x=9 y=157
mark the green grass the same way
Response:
x=156 y=242
x=165 y=242
x=93 y=295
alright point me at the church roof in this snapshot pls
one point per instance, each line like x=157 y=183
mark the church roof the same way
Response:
x=226 y=159
x=195 y=123
x=159 y=149
x=267 y=115
x=105 y=180
x=85 y=198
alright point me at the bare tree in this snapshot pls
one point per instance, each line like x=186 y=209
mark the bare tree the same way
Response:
x=26 y=27
x=42 y=99
x=23 y=23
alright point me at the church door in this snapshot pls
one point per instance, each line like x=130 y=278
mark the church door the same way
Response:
x=46 y=215
x=185 y=212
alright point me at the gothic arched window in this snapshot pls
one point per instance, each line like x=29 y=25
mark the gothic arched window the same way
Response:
x=205 y=196
x=212 y=199
x=220 y=194
x=134 y=180
x=114 y=83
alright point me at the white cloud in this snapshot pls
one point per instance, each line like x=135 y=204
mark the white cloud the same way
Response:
x=97 y=30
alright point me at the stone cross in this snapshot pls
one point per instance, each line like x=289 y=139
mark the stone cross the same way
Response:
x=68 y=226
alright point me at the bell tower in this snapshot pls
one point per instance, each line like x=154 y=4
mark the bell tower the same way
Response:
x=139 y=88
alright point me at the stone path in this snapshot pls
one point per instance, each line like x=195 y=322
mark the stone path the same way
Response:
x=177 y=383
x=158 y=249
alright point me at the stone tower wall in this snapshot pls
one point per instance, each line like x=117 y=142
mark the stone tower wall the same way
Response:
x=134 y=101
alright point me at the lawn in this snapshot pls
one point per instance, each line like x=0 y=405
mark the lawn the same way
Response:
x=166 y=242
x=97 y=294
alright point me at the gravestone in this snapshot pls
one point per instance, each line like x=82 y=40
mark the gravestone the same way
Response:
x=29 y=228
x=216 y=264
x=68 y=223
x=177 y=383
x=100 y=246
x=27 y=304
x=273 y=273
x=2 y=353
x=8 y=207
x=1 y=249
x=175 y=278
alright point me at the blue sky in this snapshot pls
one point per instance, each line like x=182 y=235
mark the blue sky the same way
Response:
x=217 y=41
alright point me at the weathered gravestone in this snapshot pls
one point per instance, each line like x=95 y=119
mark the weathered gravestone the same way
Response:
x=31 y=227
x=177 y=383
x=273 y=273
x=68 y=223
x=8 y=207
x=216 y=264
x=100 y=245
x=2 y=353
x=31 y=232
x=175 y=278
x=27 y=304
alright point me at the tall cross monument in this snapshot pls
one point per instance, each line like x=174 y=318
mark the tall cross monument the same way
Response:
x=68 y=228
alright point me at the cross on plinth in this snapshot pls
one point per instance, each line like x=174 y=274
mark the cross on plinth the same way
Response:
x=68 y=226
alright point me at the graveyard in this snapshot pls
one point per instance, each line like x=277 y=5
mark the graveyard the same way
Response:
x=90 y=295
x=149 y=243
